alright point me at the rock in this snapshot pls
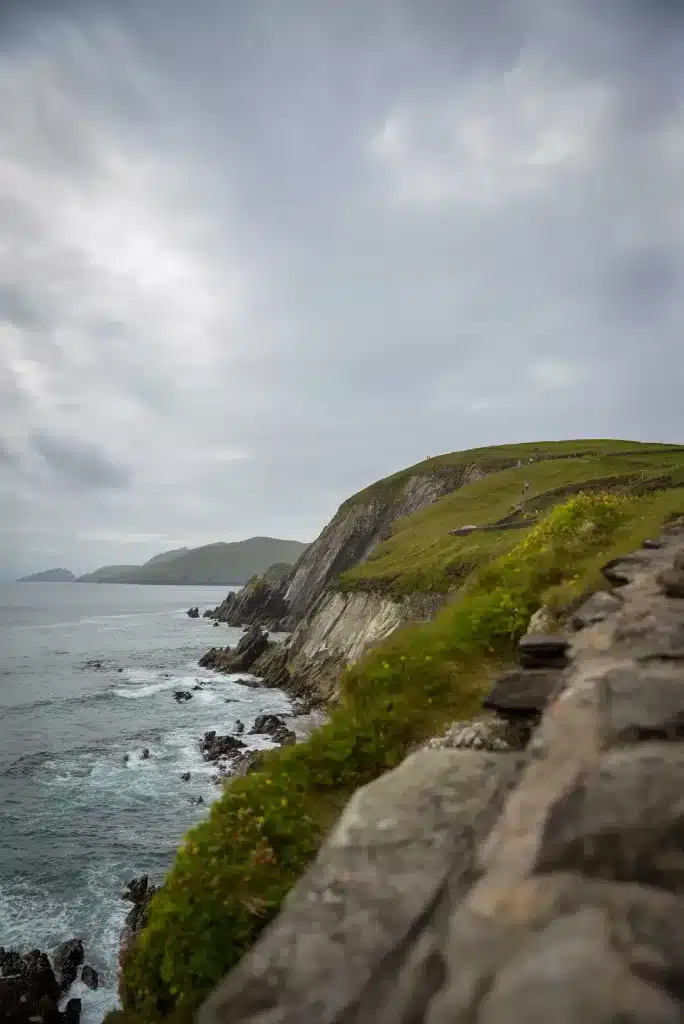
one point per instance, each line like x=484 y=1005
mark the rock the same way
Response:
x=193 y=613
x=371 y=889
x=258 y=603
x=66 y=959
x=182 y=695
x=239 y=727
x=247 y=762
x=139 y=892
x=539 y=650
x=185 y=776
x=620 y=571
x=271 y=666
x=90 y=977
x=542 y=621
x=94 y=665
x=595 y=609
x=29 y=990
x=214 y=747
x=672 y=583
x=523 y=691
x=273 y=726
x=208 y=613
x=240 y=659
x=197 y=799
x=652 y=545
x=119 y=670
x=126 y=758
x=145 y=755
x=484 y=732
x=216 y=624
x=197 y=686
x=72 y=1013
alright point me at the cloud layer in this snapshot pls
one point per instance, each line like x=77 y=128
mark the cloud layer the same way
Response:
x=254 y=256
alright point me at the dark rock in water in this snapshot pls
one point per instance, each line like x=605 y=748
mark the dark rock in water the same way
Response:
x=239 y=727
x=126 y=758
x=90 y=977
x=185 y=776
x=273 y=726
x=119 y=670
x=72 y=1013
x=208 y=613
x=94 y=664
x=180 y=695
x=28 y=988
x=197 y=799
x=239 y=659
x=214 y=747
x=216 y=624
x=67 y=958
x=197 y=686
x=145 y=755
x=193 y=613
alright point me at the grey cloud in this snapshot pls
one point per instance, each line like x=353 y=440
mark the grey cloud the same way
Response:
x=202 y=253
x=80 y=463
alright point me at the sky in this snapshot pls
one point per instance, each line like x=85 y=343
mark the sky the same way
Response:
x=255 y=255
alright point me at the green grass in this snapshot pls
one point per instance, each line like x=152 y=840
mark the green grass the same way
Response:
x=235 y=868
x=420 y=555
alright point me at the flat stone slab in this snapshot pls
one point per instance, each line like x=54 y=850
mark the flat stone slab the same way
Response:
x=523 y=691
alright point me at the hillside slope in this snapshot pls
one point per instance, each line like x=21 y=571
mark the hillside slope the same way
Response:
x=221 y=563
x=484 y=484
x=49 y=576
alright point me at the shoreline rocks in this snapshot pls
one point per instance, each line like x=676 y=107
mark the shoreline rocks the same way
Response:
x=215 y=748
x=193 y=613
x=240 y=658
x=31 y=986
x=258 y=603
x=139 y=892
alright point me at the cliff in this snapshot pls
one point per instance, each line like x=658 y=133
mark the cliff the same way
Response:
x=531 y=886
x=396 y=551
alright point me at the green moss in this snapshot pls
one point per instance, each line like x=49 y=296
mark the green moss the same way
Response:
x=234 y=869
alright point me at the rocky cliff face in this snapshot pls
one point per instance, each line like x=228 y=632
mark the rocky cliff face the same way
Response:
x=520 y=885
x=357 y=529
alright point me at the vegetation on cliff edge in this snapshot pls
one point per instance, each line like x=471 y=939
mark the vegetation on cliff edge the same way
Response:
x=234 y=869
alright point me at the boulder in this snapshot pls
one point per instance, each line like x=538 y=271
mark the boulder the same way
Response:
x=521 y=691
x=145 y=754
x=180 y=695
x=185 y=776
x=90 y=977
x=72 y=1013
x=273 y=726
x=542 y=650
x=193 y=613
x=67 y=958
x=28 y=988
x=214 y=747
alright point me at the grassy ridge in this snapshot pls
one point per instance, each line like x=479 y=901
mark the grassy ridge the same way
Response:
x=234 y=869
x=421 y=554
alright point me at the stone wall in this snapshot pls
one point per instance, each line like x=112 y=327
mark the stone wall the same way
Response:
x=535 y=885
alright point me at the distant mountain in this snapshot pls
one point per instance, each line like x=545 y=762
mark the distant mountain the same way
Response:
x=107 y=574
x=166 y=556
x=49 y=576
x=213 y=564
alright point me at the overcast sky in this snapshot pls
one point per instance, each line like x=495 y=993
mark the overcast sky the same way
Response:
x=255 y=254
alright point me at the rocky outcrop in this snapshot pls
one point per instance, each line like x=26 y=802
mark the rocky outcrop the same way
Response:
x=193 y=613
x=476 y=887
x=259 y=601
x=215 y=748
x=363 y=522
x=67 y=959
x=29 y=990
x=240 y=658
x=139 y=892
x=273 y=726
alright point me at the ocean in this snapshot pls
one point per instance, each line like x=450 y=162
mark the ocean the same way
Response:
x=87 y=675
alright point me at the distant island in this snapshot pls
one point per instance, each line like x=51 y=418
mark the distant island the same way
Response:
x=220 y=564
x=50 y=576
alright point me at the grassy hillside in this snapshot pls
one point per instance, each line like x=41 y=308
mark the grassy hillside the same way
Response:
x=221 y=563
x=422 y=555
x=234 y=869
